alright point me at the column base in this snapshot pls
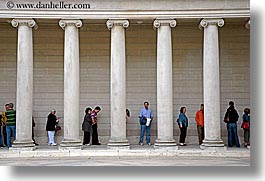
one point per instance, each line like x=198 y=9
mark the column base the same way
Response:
x=213 y=145
x=70 y=144
x=114 y=144
x=159 y=144
x=23 y=146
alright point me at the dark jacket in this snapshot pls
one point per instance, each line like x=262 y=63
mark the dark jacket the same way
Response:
x=86 y=125
x=51 y=122
x=246 y=118
x=232 y=114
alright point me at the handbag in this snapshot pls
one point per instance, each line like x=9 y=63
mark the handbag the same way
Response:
x=245 y=125
x=57 y=128
x=226 y=119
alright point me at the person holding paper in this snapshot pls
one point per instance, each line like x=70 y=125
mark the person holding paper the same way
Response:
x=145 y=117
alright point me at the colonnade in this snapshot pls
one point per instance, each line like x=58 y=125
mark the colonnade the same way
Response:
x=211 y=83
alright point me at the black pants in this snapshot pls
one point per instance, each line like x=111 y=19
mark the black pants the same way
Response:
x=95 y=134
x=183 y=132
x=4 y=135
x=86 y=137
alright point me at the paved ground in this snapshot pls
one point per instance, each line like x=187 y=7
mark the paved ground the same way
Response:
x=137 y=155
x=126 y=161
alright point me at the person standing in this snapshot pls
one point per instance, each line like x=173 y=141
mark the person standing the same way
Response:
x=231 y=118
x=183 y=125
x=1 y=141
x=128 y=114
x=10 y=123
x=145 y=117
x=4 y=124
x=200 y=123
x=246 y=126
x=33 y=125
x=86 y=126
x=50 y=127
x=95 y=125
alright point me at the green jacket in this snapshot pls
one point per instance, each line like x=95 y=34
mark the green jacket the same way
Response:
x=11 y=117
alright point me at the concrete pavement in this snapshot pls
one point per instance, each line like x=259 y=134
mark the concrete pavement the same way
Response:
x=137 y=155
x=126 y=161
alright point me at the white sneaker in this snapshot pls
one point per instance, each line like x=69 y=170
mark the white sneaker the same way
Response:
x=53 y=144
x=141 y=144
x=149 y=144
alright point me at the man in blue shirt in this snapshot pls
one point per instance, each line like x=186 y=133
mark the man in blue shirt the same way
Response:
x=145 y=117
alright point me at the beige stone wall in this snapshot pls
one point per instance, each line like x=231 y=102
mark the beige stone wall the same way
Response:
x=141 y=73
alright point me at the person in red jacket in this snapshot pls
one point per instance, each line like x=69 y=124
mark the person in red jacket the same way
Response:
x=200 y=123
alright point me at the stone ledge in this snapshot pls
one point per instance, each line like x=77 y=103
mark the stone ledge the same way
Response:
x=135 y=152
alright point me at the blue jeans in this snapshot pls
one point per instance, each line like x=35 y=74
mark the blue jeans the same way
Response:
x=143 y=129
x=10 y=129
x=232 y=134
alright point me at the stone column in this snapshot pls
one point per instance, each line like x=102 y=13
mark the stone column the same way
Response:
x=71 y=84
x=118 y=84
x=211 y=83
x=164 y=83
x=24 y=97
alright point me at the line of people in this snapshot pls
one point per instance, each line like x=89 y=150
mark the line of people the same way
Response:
x=90 y=126
x=8 y=126
x=231 y=118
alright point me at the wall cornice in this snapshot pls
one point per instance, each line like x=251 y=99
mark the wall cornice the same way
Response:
x=129 y=14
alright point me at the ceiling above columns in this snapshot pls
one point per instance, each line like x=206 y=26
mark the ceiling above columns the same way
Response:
x=137 y=9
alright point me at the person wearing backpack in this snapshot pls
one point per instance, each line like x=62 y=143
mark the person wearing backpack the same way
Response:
x=87 y=126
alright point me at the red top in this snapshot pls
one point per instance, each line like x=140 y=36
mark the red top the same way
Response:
x=199 y=118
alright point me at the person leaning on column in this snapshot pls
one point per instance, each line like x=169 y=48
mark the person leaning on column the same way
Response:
x=33 y=138
x=200 y=123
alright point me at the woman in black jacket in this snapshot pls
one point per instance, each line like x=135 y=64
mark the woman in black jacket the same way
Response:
x=86 y=126
x=50 y=127
x=231 y=118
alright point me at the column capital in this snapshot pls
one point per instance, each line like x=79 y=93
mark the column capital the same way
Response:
x=165 y=22
x=70 y=22
x=247 y=25
x=118 y=22
x=217 y=22
x=24 y=22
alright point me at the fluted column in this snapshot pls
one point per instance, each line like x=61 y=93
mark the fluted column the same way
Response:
x=24 y=97
x=211 y=83
x=71 y=84
x=118 y=84
x=164 y=83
